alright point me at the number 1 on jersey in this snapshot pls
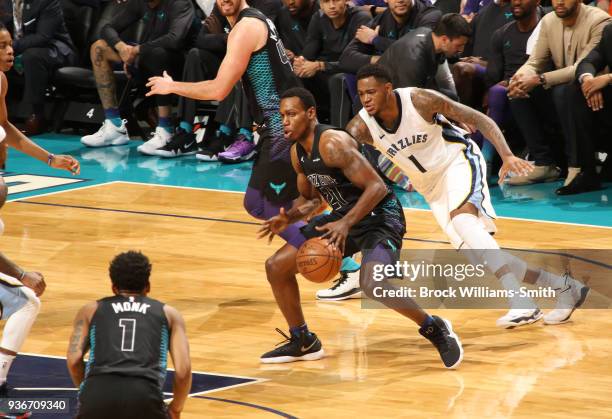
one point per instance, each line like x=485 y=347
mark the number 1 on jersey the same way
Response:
x=128 y=335
x=416 y=163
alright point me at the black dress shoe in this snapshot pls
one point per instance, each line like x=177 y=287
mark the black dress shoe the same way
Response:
x=35 y=124
x=583 y=182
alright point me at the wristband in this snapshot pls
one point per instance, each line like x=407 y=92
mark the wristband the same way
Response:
x=50 y=158
x=373 y=11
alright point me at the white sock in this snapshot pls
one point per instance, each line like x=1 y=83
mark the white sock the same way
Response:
x=5 y=364
x=484 y=247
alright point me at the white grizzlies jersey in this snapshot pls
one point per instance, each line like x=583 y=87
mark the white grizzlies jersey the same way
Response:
x=417 y=146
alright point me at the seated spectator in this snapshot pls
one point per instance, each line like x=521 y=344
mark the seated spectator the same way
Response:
x=591 y=102
x=508 y=54
x=169 y=26
x=41 y=44
x=373 y=39
x=329 y=32
x=447 y=6
x=566 y=37
x=292 y=24
x=472 y=7
x=426 y=65
x=232 y=142
x=470 y=71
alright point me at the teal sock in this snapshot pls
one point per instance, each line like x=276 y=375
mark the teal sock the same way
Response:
x=349 y=265
x=164 y=122
x=112 y=114
x=186 y=126
x=224 y=129
x=248 y=134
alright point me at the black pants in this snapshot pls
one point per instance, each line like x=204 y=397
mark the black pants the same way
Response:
x=39 y=64
x=539 y=118
x=333 y=102
x=589 y=125
x=154 y=61
x=200 y=64
x=120 y=397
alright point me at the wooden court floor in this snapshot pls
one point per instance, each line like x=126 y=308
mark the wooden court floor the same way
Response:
x=377 y=363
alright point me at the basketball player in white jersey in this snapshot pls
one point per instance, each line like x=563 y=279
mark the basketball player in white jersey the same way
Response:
x=410 y=127
x=19 y=290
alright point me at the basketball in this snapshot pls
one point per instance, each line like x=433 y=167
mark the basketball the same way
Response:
x=317 y=261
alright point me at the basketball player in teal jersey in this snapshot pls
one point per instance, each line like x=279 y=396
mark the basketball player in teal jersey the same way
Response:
x=366 y=216
x=128 y=337
x=256 y=54
x=19 y=290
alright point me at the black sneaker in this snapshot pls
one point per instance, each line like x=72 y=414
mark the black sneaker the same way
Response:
x=182 y=143
x=306 y=347
x=217 y=144
x=440 y=334
x=4 y=393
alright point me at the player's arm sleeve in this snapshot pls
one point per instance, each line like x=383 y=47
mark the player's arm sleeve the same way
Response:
x=181 y=18
x=495 y=64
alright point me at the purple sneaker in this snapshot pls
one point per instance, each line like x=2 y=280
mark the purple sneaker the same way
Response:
x=240 y=150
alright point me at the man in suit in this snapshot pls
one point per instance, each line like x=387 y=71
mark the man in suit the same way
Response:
x=41 y=44
x=566 y=37
x=591 y=102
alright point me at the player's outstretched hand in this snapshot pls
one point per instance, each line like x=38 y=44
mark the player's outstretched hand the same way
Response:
x=35 y=281
x=66 y=162
x=160 y=85
x=336 y=233
x=515 y=165
x=274 y=225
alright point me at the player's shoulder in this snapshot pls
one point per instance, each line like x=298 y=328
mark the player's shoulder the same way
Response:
x=87 y=311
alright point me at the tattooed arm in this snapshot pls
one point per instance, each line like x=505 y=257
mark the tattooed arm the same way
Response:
x=359 y=130
x=429 y=103
x=339 y=150
x=78 y=343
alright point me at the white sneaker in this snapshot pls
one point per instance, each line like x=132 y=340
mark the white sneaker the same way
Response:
x=569 y=299
x=518 y=317
x=345 y=287
x=160 y=138
x=108 y=134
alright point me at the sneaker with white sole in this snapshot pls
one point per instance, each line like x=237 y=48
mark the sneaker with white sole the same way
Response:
x=240 y=150
x=210 y=150
x=441 y=334
x=519 y=317
x=160 y=138
x=569 y=298
x=182 y=143
x=345 y=286
x=108 y=134
x=305 y=347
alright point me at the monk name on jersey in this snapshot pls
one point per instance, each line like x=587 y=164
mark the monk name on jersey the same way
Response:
x=132 y=306
x=405 y=143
